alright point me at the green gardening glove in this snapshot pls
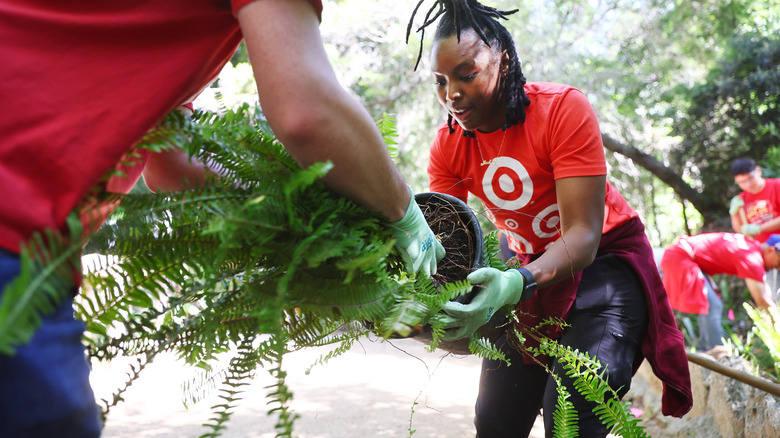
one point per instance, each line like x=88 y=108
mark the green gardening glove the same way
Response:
x=499 y=288
x=750 y=229
x=415 y=241
x=736 y=203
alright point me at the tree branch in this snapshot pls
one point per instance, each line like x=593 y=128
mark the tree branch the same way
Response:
x=709 y=209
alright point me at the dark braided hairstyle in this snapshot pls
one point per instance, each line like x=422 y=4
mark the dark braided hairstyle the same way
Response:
x=457 y=16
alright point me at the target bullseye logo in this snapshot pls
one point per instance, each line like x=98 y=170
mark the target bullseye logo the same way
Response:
x=546 y=222
x=508 y=185
x=500 y=187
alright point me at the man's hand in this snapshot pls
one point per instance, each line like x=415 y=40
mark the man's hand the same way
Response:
x=736 y=203
x=415 y=241
x=499 y=288
x=750 y=229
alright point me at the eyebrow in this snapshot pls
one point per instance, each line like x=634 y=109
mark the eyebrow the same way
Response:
x=468 y=63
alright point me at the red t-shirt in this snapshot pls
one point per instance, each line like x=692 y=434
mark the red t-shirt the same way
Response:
x=66 y=64
x=560 y=138
x=712 y=253
x=763 y=206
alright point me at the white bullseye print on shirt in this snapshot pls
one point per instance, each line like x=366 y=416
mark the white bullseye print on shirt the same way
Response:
x=527 y=247
x=507 y=197
x=508 y=186
x=549 y=219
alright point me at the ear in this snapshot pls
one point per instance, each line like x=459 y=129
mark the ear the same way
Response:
x=504 y=66
x=767 y=252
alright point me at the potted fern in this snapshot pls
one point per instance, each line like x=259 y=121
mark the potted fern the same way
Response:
x=266 y=260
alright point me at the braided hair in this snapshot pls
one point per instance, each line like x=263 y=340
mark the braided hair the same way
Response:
x=457 y=16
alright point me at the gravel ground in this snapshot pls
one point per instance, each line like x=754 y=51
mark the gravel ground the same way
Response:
x=368 y=392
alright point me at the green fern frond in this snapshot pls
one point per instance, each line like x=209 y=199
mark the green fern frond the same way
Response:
x=47 y=266
x=345 y=343
x=262 y=261
x=310 y=329
x=491 y=256
x=407 y=314
x=132 y=376
x=766 y=325
x=387 y=127
x=450 y=291
x=239 y=373
x=590 y=380
x=482 y=347
x=565 y=416
x=618 y=416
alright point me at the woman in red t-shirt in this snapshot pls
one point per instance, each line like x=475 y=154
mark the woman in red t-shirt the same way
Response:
x=532 y=153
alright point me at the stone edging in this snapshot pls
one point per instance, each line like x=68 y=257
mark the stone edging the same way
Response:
x=722 y=407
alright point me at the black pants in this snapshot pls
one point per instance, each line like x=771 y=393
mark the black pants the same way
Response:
x=608 y=321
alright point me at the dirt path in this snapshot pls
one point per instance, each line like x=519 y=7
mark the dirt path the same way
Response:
x=368 y=392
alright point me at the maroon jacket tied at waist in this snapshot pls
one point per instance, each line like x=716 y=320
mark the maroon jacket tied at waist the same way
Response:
x=662 y=344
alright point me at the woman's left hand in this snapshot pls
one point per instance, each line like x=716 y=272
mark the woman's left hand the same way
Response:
x=498 y=289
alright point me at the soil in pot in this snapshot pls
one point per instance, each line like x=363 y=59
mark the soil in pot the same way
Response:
x=456 y=227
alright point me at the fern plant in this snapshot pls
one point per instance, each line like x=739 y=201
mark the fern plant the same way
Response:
x=48 y=262
x=766 y=326
x=262 y=261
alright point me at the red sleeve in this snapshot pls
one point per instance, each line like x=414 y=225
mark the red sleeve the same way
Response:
x=238 y=4
x=441 y=177
x=577 y=136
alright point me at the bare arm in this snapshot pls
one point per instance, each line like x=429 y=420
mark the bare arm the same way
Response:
x=581 y=206
x=771 y=225
x=736 y=223
x=311 y=113
x=760 y=292
x=173 y=170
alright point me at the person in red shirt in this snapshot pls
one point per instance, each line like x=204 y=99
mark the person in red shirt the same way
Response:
x=66 y=65
x=755 y=211
x=532 y=153
x=689 y=261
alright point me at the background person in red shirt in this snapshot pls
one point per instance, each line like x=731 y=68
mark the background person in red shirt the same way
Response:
x=755 y=211
x=687 y=264
x=532 y=153
x=65 y=65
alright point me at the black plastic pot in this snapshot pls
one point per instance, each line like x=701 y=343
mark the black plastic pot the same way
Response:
x=447 y=204
x=450 y=206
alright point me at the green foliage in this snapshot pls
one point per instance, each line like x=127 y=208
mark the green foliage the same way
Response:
x=767 y=328
x=733 y=113
x=387 y=127
x=590 y=380
x=565 y=416
x=262 y=261
x=48 y=263
x=770 y=164
x=484 y=348
x=491 y=256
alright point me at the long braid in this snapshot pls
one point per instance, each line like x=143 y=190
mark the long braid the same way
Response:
x=456 y=16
